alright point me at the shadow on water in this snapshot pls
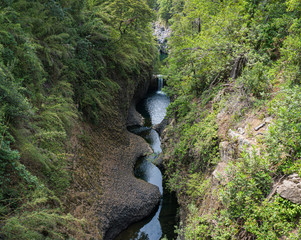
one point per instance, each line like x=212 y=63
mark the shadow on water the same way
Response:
x=161 y=223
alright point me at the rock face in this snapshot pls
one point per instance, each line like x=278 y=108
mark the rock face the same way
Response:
x=134 y=118
x=162 y=34
x=242 y=141
x=104 y=189
x=126 y=198
x=290 y=189
x=108 y=195
x=161 y=126
x=220 y=173
x=226 y=153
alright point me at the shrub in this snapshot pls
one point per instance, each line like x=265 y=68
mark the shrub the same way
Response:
x=284 y=136
x=249 y=184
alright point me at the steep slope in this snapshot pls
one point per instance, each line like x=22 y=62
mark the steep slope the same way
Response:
x=105 y=189
x=68 y=73
x=232 y=148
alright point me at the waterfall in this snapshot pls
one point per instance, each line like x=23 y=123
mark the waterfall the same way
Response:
x=160 y=82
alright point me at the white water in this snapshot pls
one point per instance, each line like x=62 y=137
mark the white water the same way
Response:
x=160 y=82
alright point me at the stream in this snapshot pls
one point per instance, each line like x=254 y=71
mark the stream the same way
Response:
x=161 y=223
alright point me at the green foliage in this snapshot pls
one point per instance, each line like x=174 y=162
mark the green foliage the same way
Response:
x=197 y=186
x=43 y=222
x=165 y=9
x=200 y=226
x=284 y=136
x=251 y=48
x=224 y=41
x=13 y=104
x=60 y=61
x=255 y=78
x=291 y=59
x=10 y=166
x=245 y=193
x=192 y=143
x=249 y=184
x=197 y=141
x=273 y=220
x=7 y=155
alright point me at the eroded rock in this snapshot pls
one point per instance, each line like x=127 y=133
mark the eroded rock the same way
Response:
x=126 y=199
x=226 y=153
x=134 y=118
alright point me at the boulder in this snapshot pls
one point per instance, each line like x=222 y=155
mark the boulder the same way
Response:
x=161 y=126
x=290 y=189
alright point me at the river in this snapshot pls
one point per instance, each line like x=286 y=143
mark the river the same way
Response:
x=161 y=223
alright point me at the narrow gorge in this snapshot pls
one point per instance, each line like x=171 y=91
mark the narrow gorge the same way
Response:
x=150 y=119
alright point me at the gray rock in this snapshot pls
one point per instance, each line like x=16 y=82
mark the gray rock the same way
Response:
x=134 y=118
x=161 y=126
x=242 y=141
x=241 y=131
x=290 y=189
x=226 y=151
x=295 y=180
x=220 y=173
x=259 y=126
x=233 y=134
x=162 y=34
x=294 y=175
x=125 y=198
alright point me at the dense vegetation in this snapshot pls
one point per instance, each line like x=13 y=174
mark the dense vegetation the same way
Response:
x=61 y=62
x=233 y=59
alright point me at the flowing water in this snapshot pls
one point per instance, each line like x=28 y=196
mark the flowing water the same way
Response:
x=161 y=223
x=160 y=82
